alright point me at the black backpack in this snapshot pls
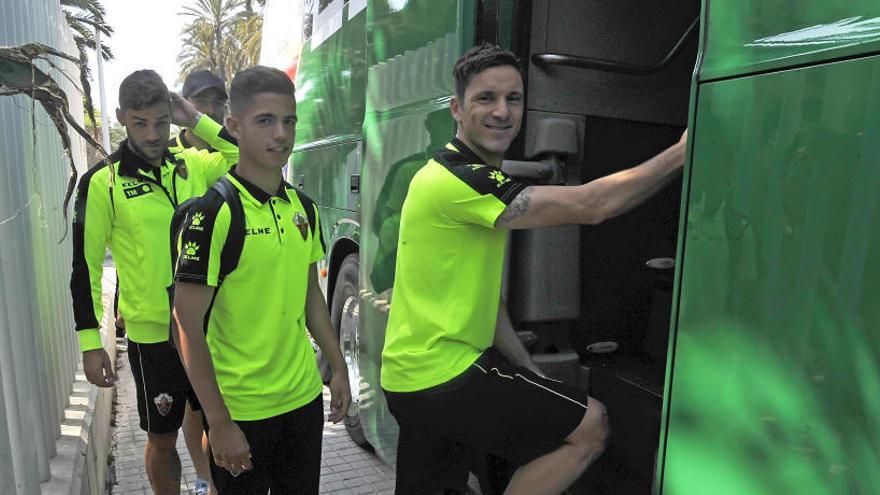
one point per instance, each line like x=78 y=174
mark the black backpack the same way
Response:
x=234 y=240
x=231 y=252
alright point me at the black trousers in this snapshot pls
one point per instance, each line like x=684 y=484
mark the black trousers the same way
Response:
x=285 y=453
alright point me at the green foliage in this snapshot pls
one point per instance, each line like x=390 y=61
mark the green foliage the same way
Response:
x=84 y=17
x=117 y=135
x=222 y=36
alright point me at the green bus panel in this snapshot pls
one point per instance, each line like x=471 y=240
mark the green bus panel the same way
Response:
x=330 y=96
x=322 y=172
x=775 y=371
x=330 y=85
x=746 y=36
x=325 y=173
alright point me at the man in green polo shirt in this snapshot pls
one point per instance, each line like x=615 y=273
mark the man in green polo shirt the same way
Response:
x=242 y=332
x=207 y=93
x=455 y=375
x=126 y=203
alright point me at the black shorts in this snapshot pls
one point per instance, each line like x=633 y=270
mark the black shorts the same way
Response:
x=285 y=454
x=493 y=407
x=163 y=388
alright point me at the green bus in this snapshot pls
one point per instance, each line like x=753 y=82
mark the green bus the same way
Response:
x=728 y=323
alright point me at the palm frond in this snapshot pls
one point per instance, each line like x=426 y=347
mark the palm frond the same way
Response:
x=92 y=6
x=84 y=17
x=79 y=19
x=20 y=76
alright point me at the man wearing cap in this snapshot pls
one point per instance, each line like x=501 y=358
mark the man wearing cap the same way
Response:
x=207 y=93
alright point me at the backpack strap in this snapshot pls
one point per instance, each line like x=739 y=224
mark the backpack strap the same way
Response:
x=178 y=220
x=234 y=245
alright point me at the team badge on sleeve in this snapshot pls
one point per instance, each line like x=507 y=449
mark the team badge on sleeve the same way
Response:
x=302 y=223
x=499 y=177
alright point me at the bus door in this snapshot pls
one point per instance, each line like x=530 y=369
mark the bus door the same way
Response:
x=594 y=302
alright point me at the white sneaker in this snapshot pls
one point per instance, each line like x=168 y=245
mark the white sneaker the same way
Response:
x=201 y=487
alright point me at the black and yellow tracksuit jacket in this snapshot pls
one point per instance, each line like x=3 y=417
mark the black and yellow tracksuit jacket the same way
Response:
x=126 y=204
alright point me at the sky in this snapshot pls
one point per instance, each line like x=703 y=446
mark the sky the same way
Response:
x=147 y=36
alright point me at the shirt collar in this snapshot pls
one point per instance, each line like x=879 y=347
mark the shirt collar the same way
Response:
x=258 y=194
x=130 y=163
x=457 y=151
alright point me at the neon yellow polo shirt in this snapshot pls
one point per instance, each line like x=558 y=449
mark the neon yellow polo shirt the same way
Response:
x=264 y=362
x=450 y=258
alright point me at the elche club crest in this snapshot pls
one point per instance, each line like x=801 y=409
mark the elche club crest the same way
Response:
x=163 y=403
x=302 y=223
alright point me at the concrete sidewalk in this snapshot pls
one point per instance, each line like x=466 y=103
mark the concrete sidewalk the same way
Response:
x=345 y=467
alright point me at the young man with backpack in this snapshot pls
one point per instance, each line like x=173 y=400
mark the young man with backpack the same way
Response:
x=126 y=203
x=246 y=291
x=206 y=92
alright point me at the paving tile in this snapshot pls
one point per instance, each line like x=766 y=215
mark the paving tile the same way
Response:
x=345 y=467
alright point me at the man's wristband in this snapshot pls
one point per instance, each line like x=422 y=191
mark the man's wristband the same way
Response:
x=196 y=119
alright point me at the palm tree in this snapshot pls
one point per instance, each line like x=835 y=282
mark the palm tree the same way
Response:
x=198 y=50
x=209 y=37
x=249 y=34
x=249 y=6
x=84 y=17
x=222 y=36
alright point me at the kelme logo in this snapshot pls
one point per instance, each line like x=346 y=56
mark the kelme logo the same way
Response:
x=190 y=250
x=258 y=231
x=196 y=223
x=499 y=177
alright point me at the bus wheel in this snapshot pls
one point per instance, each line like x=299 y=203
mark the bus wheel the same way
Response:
x=345 y=317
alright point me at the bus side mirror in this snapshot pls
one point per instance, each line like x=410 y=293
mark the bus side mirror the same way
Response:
x=555 y=140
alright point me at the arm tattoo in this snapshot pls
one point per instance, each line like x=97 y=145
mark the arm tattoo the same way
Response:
x=517 y=207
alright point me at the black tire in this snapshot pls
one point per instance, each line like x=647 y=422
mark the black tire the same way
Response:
x=346 y=290
x=348 y=276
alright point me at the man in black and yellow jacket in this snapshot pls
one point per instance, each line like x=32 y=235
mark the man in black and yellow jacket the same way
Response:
x=126 y=203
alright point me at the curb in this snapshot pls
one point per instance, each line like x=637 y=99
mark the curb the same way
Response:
x=80 y=465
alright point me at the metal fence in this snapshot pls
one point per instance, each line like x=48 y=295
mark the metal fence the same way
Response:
x=38 y=350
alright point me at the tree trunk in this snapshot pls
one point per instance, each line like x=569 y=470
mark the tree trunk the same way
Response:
x=221 y=63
